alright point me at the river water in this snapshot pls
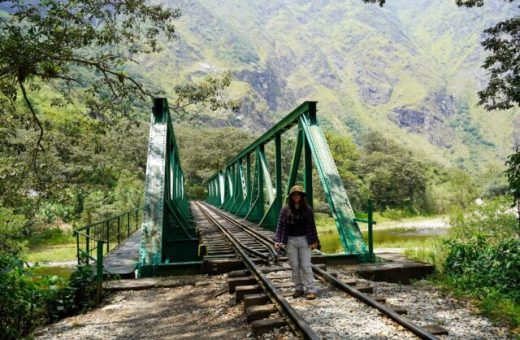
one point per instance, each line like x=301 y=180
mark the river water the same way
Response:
x=385 y=238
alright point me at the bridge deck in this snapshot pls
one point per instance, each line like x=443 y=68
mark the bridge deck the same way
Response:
x=123 y=261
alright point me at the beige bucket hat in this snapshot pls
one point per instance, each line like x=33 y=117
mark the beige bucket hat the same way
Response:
x=297 y=188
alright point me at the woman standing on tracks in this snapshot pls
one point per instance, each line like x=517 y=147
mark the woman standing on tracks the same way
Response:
x=297 y=229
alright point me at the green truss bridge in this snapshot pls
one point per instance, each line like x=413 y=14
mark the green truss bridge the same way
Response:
x=164 y=236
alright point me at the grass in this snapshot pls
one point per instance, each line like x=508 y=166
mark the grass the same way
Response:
x=62 y=272
x=50 y=245
x=50 y=237
x=52 y=253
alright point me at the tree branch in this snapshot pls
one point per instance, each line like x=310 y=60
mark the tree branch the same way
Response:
x=35 y=117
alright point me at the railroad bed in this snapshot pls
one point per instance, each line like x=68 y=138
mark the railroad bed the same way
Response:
x=265 y=288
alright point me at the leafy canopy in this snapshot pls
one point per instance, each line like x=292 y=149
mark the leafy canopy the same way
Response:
x=58 y=40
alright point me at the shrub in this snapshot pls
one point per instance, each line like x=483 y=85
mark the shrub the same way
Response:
x=22 y=300
x=65 y=299
x=478 y=265
x=12 y=231
x=490 y=220
x=29 y=300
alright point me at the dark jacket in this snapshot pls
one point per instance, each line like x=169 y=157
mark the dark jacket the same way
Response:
x=282 y=233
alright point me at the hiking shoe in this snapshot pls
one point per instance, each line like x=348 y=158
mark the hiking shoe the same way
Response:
x=297 y=293
x=311 y=296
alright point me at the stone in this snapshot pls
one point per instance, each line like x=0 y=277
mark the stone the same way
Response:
x=436 y=330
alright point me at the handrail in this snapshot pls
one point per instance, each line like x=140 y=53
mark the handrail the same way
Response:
x=111 y=231
x=91 y=240
x=110 y=218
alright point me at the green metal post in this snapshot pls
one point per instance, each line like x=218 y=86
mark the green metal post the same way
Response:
x=87 y=244
x=370 y=232
x=99 y=272
x=256 y=212
x=261 y=180
x=136 y=219
x=118 y=230
x=128 y=225
x=77 y=246
x=307 y=171
x=108 y=235
x=295 y=164
x=248 y=175
x=278 y=167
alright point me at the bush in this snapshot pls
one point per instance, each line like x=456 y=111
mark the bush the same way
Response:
x=64 y=299
x=398 y=214
x=479 y=265
x=50 y=236
x=480 y=259
x=12 y=231
x=490 y=220
x=22 y=306
x=29 y=300
x=52 y=211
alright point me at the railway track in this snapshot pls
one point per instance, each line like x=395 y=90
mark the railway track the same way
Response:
x=267 y=279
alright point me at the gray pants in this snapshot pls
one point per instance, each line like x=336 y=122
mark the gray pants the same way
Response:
x=299 y=255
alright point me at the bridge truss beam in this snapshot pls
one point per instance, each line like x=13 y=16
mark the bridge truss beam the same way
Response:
x=246 y=188
x=168 y=230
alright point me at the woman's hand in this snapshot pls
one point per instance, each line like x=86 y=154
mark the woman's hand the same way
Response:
x=277 y=245
x=314 y=246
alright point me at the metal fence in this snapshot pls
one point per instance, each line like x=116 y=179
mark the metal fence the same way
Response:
x=95 y=240
x=111 y=232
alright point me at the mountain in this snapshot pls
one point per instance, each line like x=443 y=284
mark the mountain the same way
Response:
x=410 y=70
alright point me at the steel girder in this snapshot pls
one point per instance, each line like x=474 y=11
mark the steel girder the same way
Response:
x=252 y=195
x=168 y=231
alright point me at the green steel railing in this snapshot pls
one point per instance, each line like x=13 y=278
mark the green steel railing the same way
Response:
x=370 y=221
x=245 y=186
x=95 y=240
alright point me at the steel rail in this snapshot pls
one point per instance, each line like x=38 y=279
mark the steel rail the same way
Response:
x=266 y=241
x=297 y=324
x=420 y=332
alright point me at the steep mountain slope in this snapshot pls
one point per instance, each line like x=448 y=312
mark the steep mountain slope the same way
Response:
x=410 y=70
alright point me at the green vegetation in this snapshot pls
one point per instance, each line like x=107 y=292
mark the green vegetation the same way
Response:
x=399 y=184
x=502 y=91
x=61 y=252
x=30 y=299
x=513 y=176
x=73 y=128
x=479 y=259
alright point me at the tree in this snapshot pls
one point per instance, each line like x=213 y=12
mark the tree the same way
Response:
x=79 y=52
x=346 y=156
x=395 y=178
x=205 y=150
x=513 y=176
x=82 y=47
x=503 y=62
x=58 y=40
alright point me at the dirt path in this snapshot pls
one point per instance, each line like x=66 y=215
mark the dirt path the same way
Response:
x=201 y=309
